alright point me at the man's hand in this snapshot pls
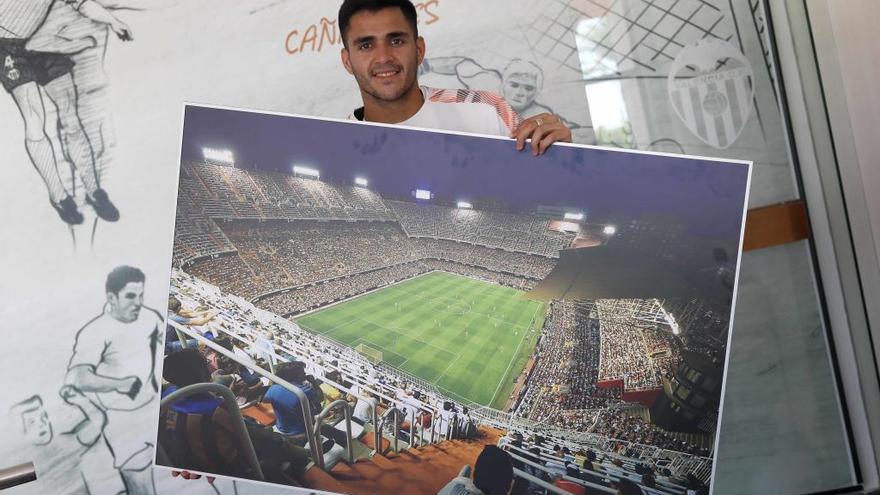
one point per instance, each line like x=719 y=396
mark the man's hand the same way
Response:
x=129 y=386
x=543 y=130
x=122 y=30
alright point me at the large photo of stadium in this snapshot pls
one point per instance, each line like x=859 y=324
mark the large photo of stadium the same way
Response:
x=364 y=308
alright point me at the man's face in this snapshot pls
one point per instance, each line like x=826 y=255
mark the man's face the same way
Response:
x=125 y=306
x=383 y=54
x=520 y=90
x=37 y=428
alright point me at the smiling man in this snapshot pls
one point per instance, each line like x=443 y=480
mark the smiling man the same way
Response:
x=382 y=49
x=114 y=357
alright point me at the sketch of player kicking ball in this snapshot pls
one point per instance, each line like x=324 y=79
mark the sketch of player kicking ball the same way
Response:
x=75 y=460
x=114 y=358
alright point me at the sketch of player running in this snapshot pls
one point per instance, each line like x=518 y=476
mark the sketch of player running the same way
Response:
x=28 y=75
x=114 y=358
x=77 y=450
x=520 y=83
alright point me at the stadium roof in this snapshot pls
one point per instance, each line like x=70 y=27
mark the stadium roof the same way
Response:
x=613 y=272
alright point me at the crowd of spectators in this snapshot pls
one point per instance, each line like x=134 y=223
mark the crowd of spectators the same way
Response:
x=618 y=424
x=301 y=265
x=511 y=232
x=561 y=389
x=209 y=192
x=314 y=296
x=634 y=351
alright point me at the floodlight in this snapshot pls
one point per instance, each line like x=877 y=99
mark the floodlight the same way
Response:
x=307 y=171
x=223 y=156
x=609 y=230
x=422 y=194
x=465 y=204
x=574 y=216
x=360 y=181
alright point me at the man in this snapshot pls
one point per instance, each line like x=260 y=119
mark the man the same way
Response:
x=493 y=475
x=75 y=450
x=286 y=404
x=185 y=317
x=289 y=419
x=383 y=50
x=24 y=73
x=115 y=357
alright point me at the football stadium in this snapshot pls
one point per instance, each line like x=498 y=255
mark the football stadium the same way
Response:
x=436 y=326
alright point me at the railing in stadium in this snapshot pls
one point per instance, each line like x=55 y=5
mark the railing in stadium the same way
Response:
x=241 y=433
x=313 y=423
x=679 y=463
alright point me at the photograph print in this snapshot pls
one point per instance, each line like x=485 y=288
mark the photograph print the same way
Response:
x=361 y=308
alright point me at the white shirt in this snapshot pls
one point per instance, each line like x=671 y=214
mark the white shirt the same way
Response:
x=462 y=110
x=119 y=350
x=362 y=410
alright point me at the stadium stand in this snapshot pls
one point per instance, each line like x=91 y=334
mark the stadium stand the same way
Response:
x=633 y=351
x=618 y=458
x=262 y=247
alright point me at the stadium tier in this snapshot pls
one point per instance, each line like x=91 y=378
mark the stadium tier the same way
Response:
x=320 y=270
x=209 y=191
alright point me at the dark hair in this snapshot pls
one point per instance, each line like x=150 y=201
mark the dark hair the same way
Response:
x=627 y=487
x=493 y=471
x=333 y=376
x=122 y=275
x=185 y=367
x=351 y=7
x=293 y=372
x=173 y=304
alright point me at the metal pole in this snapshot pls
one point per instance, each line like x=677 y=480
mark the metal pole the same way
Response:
x=17 y=475
x=348 y=436
x=377 y=427
x=319 y=420
x=181 y=337
x=396 y=420
x=231 y=407
x=412 y=428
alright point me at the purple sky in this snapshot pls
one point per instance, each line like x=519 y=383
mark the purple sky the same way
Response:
x=705 y=195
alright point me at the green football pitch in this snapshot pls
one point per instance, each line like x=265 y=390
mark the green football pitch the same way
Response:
x=469 y=338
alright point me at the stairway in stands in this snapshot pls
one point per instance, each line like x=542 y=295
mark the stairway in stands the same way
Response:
x=418 y=470
x=641 y=412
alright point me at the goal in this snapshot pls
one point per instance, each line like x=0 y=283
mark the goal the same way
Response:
x=372 y=354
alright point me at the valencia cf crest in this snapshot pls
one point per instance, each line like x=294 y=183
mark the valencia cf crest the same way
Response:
x=711 y=88
x=11 y=72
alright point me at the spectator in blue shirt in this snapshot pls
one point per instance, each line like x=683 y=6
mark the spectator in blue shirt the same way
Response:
x=288 y=411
